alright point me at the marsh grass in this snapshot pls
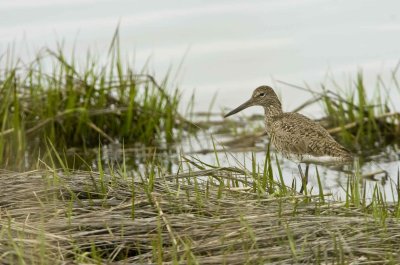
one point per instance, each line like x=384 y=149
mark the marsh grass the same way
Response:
x=364 y=123
x=72 y=105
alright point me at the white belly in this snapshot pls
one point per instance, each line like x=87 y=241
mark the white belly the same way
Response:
x=310 y=159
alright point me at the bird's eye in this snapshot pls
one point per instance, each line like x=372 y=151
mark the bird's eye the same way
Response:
x=261 y=95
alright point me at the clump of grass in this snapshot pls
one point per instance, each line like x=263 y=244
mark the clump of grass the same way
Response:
x=79 y=106
x=363 y=122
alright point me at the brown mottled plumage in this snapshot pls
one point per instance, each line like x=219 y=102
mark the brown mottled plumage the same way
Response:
x=294 y=135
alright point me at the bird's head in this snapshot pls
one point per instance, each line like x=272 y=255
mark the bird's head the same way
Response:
x=262 y=96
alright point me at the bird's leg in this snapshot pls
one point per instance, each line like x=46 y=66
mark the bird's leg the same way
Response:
x=304 y=178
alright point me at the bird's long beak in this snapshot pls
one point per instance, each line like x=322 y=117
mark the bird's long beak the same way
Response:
x=245 y=105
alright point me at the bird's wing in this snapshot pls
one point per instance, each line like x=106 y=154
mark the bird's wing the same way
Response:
x=297 y=134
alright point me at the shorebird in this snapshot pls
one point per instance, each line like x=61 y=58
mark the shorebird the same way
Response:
x=297 y=137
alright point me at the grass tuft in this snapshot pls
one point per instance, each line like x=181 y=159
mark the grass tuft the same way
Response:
x=74 y=106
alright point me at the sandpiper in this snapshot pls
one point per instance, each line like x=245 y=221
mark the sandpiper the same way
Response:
x=294 y=135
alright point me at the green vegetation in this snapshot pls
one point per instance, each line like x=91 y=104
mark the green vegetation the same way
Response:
x=363 y=122
x=80 y=107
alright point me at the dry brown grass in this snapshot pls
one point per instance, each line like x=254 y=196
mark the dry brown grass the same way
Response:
x=50 y=217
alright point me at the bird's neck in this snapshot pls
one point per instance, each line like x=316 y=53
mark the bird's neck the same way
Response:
x=270 y=112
